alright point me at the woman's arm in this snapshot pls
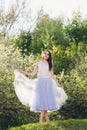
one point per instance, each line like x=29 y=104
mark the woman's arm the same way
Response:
x=31 y=73
x=53 y=77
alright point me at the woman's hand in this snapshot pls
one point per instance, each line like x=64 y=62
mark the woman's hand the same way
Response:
x=60 y=85
x=21 y=71
x=52 y=75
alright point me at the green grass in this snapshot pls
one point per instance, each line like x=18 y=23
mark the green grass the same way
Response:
x=70 y=124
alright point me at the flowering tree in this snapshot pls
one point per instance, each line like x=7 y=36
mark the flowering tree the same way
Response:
x=11 y=110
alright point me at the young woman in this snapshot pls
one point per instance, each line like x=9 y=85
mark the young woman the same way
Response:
x=42 y=94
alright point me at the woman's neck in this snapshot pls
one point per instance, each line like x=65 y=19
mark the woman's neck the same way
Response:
x=44 y=60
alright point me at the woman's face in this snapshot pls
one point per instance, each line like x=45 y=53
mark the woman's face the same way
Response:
x=45 y=55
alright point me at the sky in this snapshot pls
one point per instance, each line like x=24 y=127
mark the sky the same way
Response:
x=54 y=8
x=61 y=7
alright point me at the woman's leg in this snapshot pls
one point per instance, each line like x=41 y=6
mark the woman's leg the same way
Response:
x=46 y=116
x=42 y=116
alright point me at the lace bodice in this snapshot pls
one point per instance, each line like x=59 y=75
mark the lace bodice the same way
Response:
x=43 y=69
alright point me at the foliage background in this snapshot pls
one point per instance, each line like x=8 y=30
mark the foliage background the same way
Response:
x=68 y=45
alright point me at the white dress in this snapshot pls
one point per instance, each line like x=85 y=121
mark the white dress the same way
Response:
x=41 y=93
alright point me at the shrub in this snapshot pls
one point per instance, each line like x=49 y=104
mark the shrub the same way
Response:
x=76 y=88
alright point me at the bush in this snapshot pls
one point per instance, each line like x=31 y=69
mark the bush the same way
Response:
x=12 y=112
x=76 y=88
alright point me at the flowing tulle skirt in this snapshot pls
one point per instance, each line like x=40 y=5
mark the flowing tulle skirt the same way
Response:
x=39 y=94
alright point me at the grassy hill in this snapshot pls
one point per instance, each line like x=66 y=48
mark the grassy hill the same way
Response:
x=71 y=124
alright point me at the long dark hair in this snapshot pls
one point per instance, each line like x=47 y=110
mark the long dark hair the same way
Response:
x=49 y=60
